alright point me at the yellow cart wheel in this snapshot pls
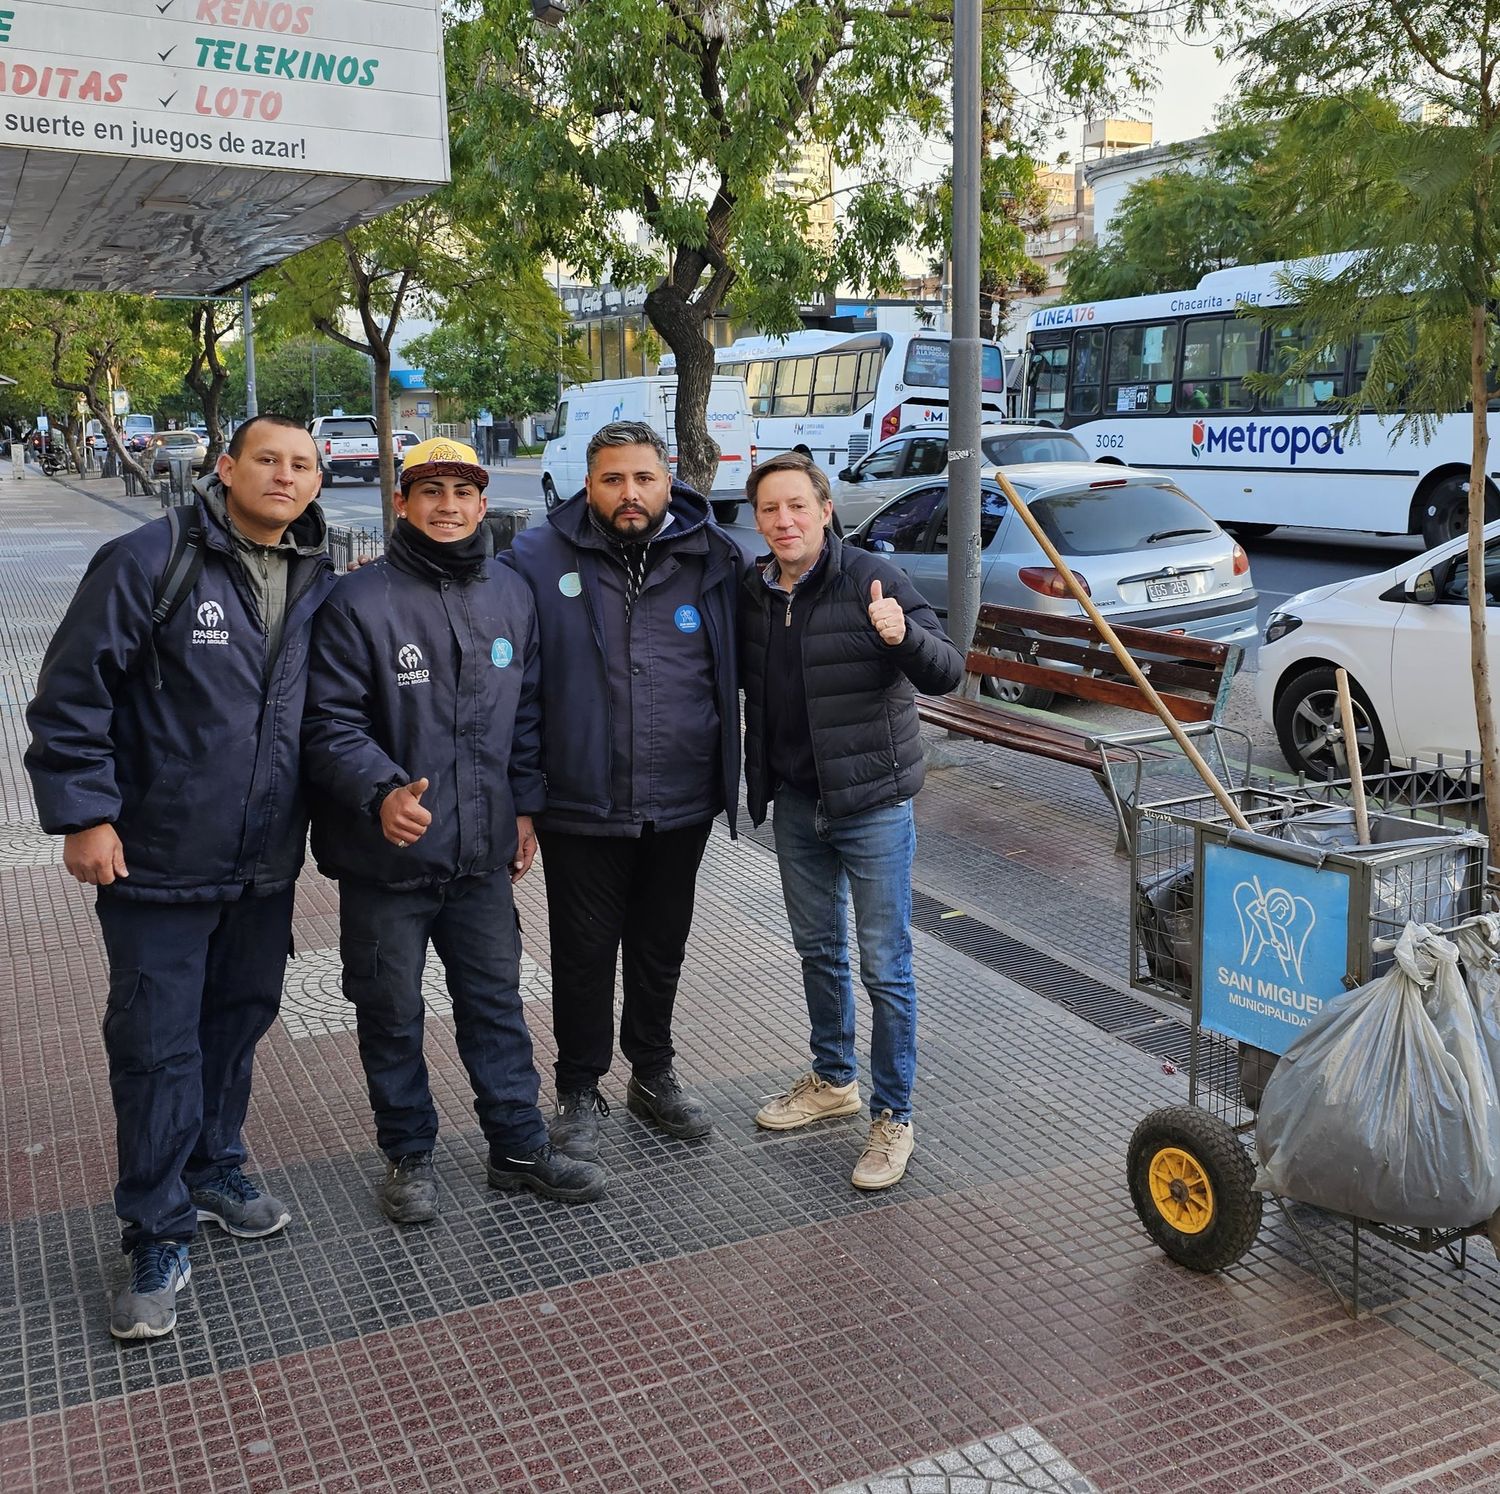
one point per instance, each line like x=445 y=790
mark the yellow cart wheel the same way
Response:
x=1191 y=1182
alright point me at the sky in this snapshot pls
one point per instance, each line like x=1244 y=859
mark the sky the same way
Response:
x=1193 y=81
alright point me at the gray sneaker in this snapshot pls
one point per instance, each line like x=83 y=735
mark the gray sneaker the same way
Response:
x=147 y=1308
x=409 y=1193
x=235 y=1204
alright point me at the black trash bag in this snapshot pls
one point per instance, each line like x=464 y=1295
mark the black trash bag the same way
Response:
x=1164 y=926
x=1385 y=1108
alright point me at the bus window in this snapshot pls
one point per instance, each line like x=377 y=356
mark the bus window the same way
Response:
x=1142 y=366
x=1088 y=373
x=992 y=370
x=927 y=363
x=833 y=384
x=759 y=380
x=869 y=377
x=793 y=386
x=732 y=370
x=1216 y=356
x=1321 y=382
x=1048 y=378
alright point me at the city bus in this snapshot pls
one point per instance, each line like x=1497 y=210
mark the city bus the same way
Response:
x=1159 y=381
x=834 y=395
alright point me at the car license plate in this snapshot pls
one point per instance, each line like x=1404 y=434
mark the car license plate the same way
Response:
x=1164 y=588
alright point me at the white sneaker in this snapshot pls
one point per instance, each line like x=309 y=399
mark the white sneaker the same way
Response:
x=809 y=1099
x=886 y=1153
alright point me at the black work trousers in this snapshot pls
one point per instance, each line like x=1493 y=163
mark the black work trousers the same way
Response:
x=606 y=894
x=471 y=922
x=193 y=987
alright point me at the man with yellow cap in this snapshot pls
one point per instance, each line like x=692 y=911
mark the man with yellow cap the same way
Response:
x=422 y=741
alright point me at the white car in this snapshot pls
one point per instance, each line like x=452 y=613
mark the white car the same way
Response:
x=1403 y=636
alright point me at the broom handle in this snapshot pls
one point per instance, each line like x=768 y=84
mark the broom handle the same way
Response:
x=1129 y=665
x=1351 y=757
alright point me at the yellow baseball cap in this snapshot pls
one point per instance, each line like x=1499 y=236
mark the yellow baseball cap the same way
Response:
x=442 y=457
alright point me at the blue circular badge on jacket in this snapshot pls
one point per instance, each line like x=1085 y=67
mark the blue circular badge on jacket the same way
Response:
x=687 y=619
x=570 y=585
x=501 y=653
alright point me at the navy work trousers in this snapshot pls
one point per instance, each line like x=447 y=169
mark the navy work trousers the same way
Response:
x=192 y=988
x=606 y=894
x=471 y=922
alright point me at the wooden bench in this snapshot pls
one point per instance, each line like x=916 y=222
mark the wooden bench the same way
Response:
x=1067 y=656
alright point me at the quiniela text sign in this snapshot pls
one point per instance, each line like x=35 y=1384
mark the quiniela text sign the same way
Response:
x=342 y=87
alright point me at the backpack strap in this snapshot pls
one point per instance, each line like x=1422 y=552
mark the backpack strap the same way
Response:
x=185 y=556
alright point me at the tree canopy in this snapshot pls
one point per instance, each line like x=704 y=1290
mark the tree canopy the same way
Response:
x=691 y=117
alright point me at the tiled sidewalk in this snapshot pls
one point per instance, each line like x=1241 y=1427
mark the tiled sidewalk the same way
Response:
x=733 y=1316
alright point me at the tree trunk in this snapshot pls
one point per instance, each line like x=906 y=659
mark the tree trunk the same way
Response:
x=680 y=324
x=1484 y=698
x=382 y=359
x=206 y=333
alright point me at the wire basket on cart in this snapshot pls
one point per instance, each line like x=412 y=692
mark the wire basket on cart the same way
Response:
x=1223 y=922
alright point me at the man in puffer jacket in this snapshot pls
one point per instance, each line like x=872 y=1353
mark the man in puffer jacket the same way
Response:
x=423 y=741
x=635 y=591
x=833 y=642
x=167 y=755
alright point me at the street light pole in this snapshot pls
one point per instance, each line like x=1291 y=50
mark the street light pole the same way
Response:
x=964 y=353
x=252 y=406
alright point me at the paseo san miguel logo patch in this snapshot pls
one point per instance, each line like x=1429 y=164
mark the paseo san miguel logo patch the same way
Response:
x=409 y=666
x=210 y=629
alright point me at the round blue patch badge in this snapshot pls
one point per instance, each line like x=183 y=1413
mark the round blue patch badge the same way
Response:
x=501 y=653
x=570 y=585
x=687 y=619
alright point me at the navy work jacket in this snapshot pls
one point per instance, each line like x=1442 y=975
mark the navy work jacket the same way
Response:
x=201 y=779
x=416 y=676
x=676 y=761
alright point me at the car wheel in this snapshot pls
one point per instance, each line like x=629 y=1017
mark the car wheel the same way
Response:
x=549 y=494
x=1250 y=531
x=369 y=479
x=1012 y=692
x=1309 y=731
x=1445 y=510
x=726 y=512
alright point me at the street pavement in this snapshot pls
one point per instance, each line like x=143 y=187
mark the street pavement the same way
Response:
x=733 y=1316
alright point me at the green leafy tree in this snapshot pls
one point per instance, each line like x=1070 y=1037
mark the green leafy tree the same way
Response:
x=290 y=370
x=491 y=374
x=83 y=344
x=688 y=115
x=1426 y=280
x=1173 y=228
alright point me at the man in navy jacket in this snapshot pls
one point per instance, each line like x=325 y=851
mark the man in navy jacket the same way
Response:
x=423 y=743
x=169 y=757
x=635 y=590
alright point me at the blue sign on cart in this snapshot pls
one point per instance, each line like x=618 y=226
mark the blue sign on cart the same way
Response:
x=1275 y=944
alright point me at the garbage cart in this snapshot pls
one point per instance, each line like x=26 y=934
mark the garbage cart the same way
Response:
x=1253 y=932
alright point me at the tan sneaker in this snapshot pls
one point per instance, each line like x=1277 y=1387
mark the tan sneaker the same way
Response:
x=809 y=1099
x=886 y=1153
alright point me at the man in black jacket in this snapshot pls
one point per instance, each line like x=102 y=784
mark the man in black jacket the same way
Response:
x=423 y=739
x=833 y=640
x=168 y=757
x=635 y=591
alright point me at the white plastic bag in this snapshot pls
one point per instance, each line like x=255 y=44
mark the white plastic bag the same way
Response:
x=1385 y=1108
x=1478 y=944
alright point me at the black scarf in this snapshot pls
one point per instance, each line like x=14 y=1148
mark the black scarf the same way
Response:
x=439 y=560
x=633 y=553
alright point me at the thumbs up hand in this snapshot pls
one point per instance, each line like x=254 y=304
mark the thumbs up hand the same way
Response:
x=886 y=616
x=402 y=818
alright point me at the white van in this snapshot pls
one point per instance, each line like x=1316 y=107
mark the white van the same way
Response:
x=651 y=400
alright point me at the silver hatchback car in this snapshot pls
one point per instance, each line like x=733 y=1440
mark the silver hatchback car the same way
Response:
x=898 y=462
x=1150 y=557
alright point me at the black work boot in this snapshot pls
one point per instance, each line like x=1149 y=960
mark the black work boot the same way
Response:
x=409 y=1193
x=660 y=1098
x=549 y=1172
x=575 y=1127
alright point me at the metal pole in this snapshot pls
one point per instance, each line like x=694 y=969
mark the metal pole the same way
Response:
x=315 y=376
x=252 y=405
x=963 y=363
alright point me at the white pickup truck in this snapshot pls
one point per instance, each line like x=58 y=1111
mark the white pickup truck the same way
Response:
x=348 y=446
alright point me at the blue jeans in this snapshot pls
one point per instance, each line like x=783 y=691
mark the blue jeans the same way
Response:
x=822 y=862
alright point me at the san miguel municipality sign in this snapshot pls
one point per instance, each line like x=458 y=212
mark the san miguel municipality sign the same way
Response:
x=338 y=87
